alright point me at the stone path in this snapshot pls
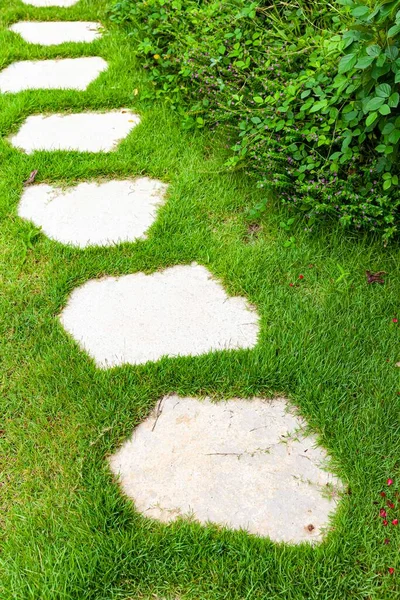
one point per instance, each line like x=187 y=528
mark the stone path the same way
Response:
x=61 y=74
x=85 y=132
x=53 y=33
x=138 y=318
x=245 y=464
x=48 y=3
x=94 y=214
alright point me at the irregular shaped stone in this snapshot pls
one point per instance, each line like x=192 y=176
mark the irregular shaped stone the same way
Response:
x=137 y=318
x=50 y=33
x=94 y=214
x=241 y=464
x=60 y=74
x=47 y=3
x=85 y=132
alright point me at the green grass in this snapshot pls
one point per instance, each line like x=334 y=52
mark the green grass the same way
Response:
x=328 y=343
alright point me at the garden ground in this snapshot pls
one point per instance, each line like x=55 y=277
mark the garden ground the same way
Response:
x=328 y=342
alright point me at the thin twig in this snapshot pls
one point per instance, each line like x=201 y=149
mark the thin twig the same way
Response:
x=159 y=411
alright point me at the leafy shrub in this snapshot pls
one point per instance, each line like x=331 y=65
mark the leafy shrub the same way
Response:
x=308 y=90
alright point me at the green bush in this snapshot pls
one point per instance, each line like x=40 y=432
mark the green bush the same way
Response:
x=308 y=91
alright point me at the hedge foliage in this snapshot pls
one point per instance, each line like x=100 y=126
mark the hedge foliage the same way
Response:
x=309 y=91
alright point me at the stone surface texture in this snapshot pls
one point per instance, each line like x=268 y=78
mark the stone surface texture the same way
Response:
x=50 y=33
x=242 y=464
x=94 y=214
x=61 y=74
x=181 y=311
x=85 y=132
x=47 y=3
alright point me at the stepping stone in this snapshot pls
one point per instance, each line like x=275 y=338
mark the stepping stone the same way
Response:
x=137 y=318
x=47 y=3
x=85 y=132
x=61 y=74
x=51 y=33
x=243 y=464
x=94 y=214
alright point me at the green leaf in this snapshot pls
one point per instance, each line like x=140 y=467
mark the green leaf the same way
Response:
x=381 y=148
x=305 y=94
x=397 y=78
x=319 y=106
x=371 y=118
x=374 y=104
x=389 y=127
x=360 y=11
x=395 y=180
x=258 y=100
x=393 y=31
x=333 y=113
x=379 y=71
x=349 y=37
x=364 y=62
x=346 y=143
x=385 y=110
x=394 y=100
x=394 y=136
x=347 y=63
x=374 y=50
x=387 y=184
x=380 y=61
x=383 y=90
x=350 y=116
x=392 y=52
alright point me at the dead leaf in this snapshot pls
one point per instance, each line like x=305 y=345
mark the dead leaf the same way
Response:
x=31 y=178
x=375 y=277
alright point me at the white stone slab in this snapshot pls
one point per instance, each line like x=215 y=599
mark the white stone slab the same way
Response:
x=47 y=3
x=94 y=214
x=181 y=311
x=49 y=33
x=85 y=132
x=60 y=74
x=243 y=464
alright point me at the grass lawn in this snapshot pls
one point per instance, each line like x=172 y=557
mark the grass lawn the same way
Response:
x=328 y=343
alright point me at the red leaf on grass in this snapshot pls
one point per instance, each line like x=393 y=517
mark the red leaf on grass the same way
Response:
x=375 y=277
